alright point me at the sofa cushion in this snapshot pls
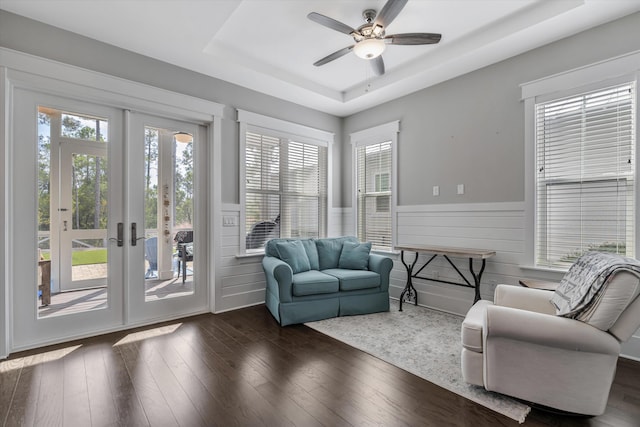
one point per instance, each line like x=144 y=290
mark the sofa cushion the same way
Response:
x=328 y=252
x=312 y=253
x=314 y=282
x=292 y=252
x=351 y=280
x=355 y=256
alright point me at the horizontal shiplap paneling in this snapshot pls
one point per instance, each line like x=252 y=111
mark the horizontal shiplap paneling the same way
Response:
x=499 y=227
x=239 y=280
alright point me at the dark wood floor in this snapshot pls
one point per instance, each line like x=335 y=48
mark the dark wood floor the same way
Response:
x=241 y=368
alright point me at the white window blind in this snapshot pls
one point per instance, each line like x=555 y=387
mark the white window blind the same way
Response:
x=373 y=183
x=585 y=154
x=286 y=189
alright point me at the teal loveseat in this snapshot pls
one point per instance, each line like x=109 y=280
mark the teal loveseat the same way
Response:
x=314 y=279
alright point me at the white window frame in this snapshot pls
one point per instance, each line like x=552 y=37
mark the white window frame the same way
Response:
x=376 y=135
x=378 y=180
x=258 y=123
x=591 y=77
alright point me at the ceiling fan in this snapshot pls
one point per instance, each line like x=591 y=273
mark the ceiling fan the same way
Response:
x=370 y=37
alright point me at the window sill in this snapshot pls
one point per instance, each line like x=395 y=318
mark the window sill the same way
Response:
x=384 y=252
x=250 y=255
x=554 y=274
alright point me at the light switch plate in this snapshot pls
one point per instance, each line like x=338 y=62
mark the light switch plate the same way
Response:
x=228 y=221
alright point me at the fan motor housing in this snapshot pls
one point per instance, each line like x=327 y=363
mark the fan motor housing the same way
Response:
x=369 y=30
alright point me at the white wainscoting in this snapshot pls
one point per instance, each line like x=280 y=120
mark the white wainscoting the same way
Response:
x=239 y=279
x=495 y=226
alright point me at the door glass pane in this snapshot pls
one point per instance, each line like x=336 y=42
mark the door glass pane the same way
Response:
x=43 y=256
x=83 y=127
x=169 y=246
x=72 y=213
x=87 y=231
x=152 y=152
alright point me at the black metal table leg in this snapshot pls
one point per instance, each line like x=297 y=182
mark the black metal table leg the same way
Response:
x=476 y=278
x=408 y=288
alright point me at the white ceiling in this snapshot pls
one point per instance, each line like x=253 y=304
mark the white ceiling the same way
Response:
x=270 y=45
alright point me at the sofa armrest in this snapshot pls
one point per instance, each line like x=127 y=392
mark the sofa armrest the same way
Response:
x=508 y=323
x=381 y=265
x=279 y=278
x=529 y=299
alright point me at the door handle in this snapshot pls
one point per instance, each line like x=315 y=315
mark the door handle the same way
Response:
x=134 y=234
x=120 y=239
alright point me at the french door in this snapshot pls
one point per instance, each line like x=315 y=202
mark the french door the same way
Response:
x=99 y=196
x=165 y=249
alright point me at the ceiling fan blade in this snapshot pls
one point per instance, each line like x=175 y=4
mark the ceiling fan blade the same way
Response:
x=330 y=23
x=334 y=55
x=413 y=38
x=389 y=11
x=378 y=65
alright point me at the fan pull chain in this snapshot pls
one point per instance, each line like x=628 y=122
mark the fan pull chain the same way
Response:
x=368 y=76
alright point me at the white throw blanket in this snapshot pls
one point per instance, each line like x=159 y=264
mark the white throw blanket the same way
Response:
x=584 y=283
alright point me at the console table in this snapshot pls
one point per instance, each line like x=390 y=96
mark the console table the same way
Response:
x=446 y=252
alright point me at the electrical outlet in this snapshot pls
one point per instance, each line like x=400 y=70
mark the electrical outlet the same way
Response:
x=436 y=190
x=460 y=188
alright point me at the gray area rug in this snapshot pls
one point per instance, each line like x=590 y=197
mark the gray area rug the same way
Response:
x=422 y=341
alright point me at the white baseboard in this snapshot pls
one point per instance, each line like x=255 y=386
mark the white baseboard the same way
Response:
x=239 y=300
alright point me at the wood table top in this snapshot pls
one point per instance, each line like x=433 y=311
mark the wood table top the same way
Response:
x=447 y=250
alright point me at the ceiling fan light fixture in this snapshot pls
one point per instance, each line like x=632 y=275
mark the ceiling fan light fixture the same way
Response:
x=369 y=48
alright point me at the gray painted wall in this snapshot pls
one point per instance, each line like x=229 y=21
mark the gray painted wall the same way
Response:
x=470 y=130
x=26 y=35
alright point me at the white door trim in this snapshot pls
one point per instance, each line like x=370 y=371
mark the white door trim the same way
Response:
x=21 y=70
x=67 y=80
x=29 y=329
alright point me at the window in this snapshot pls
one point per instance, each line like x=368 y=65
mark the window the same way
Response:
x=285 y=182
x=585 y=179
x=383 y=185
x=374 y=166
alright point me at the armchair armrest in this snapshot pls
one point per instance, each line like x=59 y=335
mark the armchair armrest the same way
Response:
x=547 y=330
x=381 y=265
x=279 y=278
x=529 y=299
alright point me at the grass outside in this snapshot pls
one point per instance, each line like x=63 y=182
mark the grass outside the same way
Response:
x=85 y=257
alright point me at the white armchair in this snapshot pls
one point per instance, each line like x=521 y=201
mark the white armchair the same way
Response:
x=519 y=347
